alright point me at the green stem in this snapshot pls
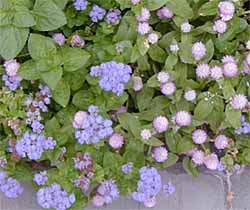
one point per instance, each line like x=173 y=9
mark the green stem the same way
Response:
x=245 y=12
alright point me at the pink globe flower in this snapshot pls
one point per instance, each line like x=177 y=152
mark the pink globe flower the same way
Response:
x=190 y=95
x=226 y=9
x=138 y=84
x=186 y=27
x=183 y=118
x=248 y=59
x=150 y=202
x=145 y=15
x=163 y=77
x=211 y=161
x=79 y=119
x=220 y=26
x=230 y=69
x=143 y=28
x=198 y=157
x=174 y=48
x=190 y=153
x=228 y=59
x=11 y=67
x=160 y=154
x=199 y=136
x=221 y=142
x=164 y=13
x=216 y=73
x=202 y=71
x=146 y=134
x=98 y=201
x=116 y=141
x=153 y=38
x=135 y=1
x=168 y=88
x=160 y=124
x=77 y=41
x=239 y=101
x=59 y=38
x=198 y=50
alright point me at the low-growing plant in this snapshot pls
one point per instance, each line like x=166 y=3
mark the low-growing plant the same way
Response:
x=98 y=96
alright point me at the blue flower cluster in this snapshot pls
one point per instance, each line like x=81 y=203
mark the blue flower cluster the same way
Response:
x=168 y=189
x=40 y=178
x=36 y=106
x=114 y=16
x=149 y=184
x=32 y=145
x=97 y=13
x=54 y=197
x=80 y=5
x=113 y=76
x=10 y=186
x=127 y=168
x=93 y=128
x=12 y=82
x=245 y=127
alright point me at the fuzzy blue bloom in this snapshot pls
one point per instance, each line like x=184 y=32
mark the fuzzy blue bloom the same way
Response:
x=108 y=190
x=114 y=16
x=40 y=178
x=97 y=13
x=80 y=5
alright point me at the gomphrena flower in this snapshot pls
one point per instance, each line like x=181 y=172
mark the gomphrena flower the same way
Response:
x=146 y=134
x=226 y=10
x=160 y=154
x=114 y=16
x=137 y=83
x=198 y=157
x=190 y=95
x=11 y=67
x=79 y=118
x=211 y=161
x=245 y=127
x=97 y=13
x=116 y=140
x=41 y=178
x=248 y=59
x=93 y=127
x=174 y=48
x=221 y=142
x=183 y=118
x=164 y=13
x=113 y=76
x=77 y=41
x=32 y=145
x=144 y=16
x=143 y=28
x=160 y=124
x=202 y=71
x=168 y=88
x=80 y=5
x=127 y=168
x=186 y=27
x=230 y=69
x=239 y=101
x=199 y=50
x=168 y=189
x=54 y=197
x=135 y=1
x=199 y=136
x=163 y=77
x=220 y=26
x=108 y=190
x=59 y=38
x=148 y=186
x=216 y=73
x=228 y=59
x=153 y=38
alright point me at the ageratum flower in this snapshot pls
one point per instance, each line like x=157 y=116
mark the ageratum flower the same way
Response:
x=10 y=186
x=113 y=16
x=59 y=38
x=40 y=178
x=97 y=13
x=153 y=38
x=143 y=28
x=127 y=168
x=80 y=5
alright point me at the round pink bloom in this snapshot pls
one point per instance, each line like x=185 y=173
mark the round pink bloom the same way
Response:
x=160 y=154
x=163 y=77
x=239 y=101
x=168 y=88
x=190 y=95
x=190 y=153
x=199 y=136
x=135 y=1
x=59 y=38
x=228 y=59
x=116 y=141
x=79 y=119
x=160 y=124
x=220 y=26
x=11 y=67
x=226 y=9
x=246 y=68
x=248 y=44
x=77 y=41
x=153 y=38
x=98 y=200
x=145 y=15
x=186 y=27
x=183 y=118
x=203 y=71
x=221 y=142
x=150 y=202
x=146 y=134
x=211 y=161
x=138 y=84
x=230 y=69
x=174 y=48
x=216 y=73
x=143 y=28
x=199 y=50
x=248 y=59
x=198 y=157
x=164 y=13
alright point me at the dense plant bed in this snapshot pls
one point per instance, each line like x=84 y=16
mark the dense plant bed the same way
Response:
x=97 y=96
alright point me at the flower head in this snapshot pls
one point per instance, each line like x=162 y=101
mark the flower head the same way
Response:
x=77 y=41
x=211 y=161
x=221 y=142
x=239 y=101
x=186 y=27
x=216 y=73
x=220 y=26
x=160 y=154
x=226 y=9
x=160 y=124
x=230 y=69
x=138 y=84
x=164 y=13
x=11 y=67
x=199 y=136
x=114 y=16
x=146 y=134
x=203 y=71
x=199 y=50
x=59 y=38
x=116 y=140
x=198 y=157
x=168 y=88
x=97 y=13
x=153 y=38
x=190 y=95
x=144 y=16
x=183 y=118
x=143 y=28
x=163 y=77
x=80 y=5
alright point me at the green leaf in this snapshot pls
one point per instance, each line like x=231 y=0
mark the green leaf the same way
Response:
x=28 y=70
x=61 y=3
x=180 y=8
x=189 y=167
x=233 y=116
x=203 y=109
x=61 y=94
x=172 y=140
x=144 y=98
x=52 y=77
x=130 y=123
x=74 y=58
x=184 y=145
x=172 y=159
x=153 y=142
x=157 y=54
x=228 y=90
x=83 y=98
x=186 y=54
x=209 y=8
x=142 y=45
x=12 y=41
x=41 y=47
x=48 y=16
x=6 y=15
x=155 y=4
x=52 y=127
x=23 y=17
x=210 y=51
x=170 y=62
